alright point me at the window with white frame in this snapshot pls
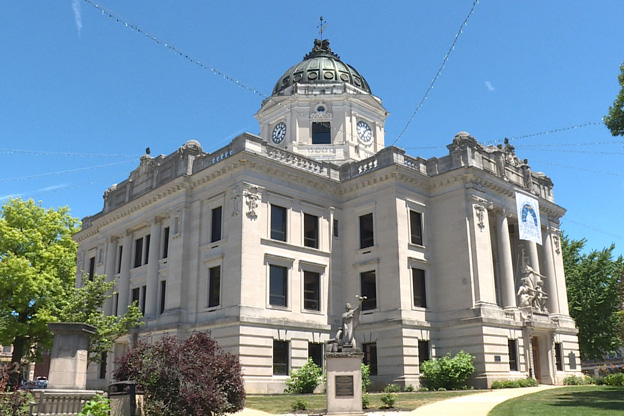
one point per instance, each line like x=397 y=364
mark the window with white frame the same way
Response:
x=311 y=291
x=280 y=357
x=278 y=223
x=368 y=289
x=214 y=286
x=216 y=218
x=419 y=288
x=310 y=230
x=278 y=285
x=367 y=237
x=416 y=227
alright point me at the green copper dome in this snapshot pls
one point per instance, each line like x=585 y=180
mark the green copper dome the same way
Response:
x=319 y=66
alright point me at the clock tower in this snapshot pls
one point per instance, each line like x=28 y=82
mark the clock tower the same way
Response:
x=323 y=109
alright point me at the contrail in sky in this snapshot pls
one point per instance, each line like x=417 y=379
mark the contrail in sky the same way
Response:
x=77 y=14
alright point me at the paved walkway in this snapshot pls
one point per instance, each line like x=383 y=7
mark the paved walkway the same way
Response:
x=478 y=404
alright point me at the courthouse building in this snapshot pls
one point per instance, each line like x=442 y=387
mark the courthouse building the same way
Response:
x=263 y=241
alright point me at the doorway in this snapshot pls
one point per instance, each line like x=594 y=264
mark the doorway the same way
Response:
x=536 y=359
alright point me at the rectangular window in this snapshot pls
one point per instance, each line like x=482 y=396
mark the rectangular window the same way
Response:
x=116 y=304
x=418 y=283
x=278 y=285
x=278 y=223
x=336 y=228
x=559 y=355
x=215 y=227
x=214 y=286
x=310 y=230
x=163 y=295
x=423 y=351
x=416 y=228
x=368 y=287
x=280 y=358
x=143 y=295
x=370 y=357
x=321 y=132
x=138 y=252
x=136 y=295
x=315 y=351
x=103 y=362
x=91 y=268
x=311 y=291
x=119 y=259
x=165 y=243
x=147 y=245
x=7 y=349
x=513 y=354
x=367 y=238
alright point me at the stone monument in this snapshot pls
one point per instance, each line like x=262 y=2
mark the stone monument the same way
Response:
x=69 y=358
x=344 y=371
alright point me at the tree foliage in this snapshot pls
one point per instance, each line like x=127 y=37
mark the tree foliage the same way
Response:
x=593 y=281
x=37 y=282
x=85 y=305
x=37 y=273
x=615 y=119
x=194 y=377
x=448 y=372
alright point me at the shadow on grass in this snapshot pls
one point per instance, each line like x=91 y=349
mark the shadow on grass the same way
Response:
x=608 y=398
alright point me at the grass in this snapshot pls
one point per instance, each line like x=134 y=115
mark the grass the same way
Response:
x=281 y=403
x=568 y=401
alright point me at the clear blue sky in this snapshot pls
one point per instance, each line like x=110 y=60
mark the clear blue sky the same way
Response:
x=82 y=96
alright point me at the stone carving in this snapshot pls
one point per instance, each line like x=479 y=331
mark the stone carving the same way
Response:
x=252 y=197
x=531 y=292
x=480 y=212
x=236 y=193
x=557 y=244
x=510 y=154
x=345 y=335
x=527 y=175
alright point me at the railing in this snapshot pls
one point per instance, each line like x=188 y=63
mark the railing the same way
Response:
x=60 y=402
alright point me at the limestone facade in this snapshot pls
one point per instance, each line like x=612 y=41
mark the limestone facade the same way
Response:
x=264 y=240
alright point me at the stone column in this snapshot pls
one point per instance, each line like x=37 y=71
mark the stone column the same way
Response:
x=109 y=270
x=69 y=358
x=151 y=294
x=551 y=275
x=124 y=278
x=505 y=260
x=533 y=257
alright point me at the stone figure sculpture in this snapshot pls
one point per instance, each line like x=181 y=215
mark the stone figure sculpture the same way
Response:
x=344 y=338
x=531 y=292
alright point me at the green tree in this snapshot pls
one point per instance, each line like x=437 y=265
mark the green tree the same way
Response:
x=593 y=281
x=37 y=282
x=85 y=305
x=37 y=273
x=615 y=119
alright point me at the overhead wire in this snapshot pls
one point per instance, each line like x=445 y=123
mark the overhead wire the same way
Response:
x=23 y=178
x=437 y=75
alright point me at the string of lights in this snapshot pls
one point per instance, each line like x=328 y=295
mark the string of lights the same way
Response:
x=435 y=78
x=23 y=178
x=600 y=172
x=52 y=153
x=542 y=133
x=592 y=228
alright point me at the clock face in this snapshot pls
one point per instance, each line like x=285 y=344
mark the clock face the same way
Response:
x=364 y=132
x=279 y=132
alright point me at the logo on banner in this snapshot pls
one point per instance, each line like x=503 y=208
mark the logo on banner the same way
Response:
x=528 y=218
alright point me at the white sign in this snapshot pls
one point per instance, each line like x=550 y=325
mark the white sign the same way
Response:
x=528 y=218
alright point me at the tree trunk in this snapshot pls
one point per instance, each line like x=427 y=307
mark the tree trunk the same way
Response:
x=15 y=378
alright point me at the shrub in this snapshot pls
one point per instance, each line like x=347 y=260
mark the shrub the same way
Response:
x=392 y=388
x=365 y=401
x=448 y=372
x=299 y=404
x=409 y=388
x=616 y=379
x=98 y=406
x=573 y=381
x=195 y=377
x=423 y=389
x=513 y=384
x=365 y=377
x=389 y=399
x=304 y=380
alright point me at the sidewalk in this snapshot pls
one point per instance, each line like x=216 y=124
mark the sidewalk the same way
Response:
x=478 y=404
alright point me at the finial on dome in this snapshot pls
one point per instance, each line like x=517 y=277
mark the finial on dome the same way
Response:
x=322 y=27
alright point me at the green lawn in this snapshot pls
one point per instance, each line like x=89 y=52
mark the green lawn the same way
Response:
x=281 y=403
x=568 y=401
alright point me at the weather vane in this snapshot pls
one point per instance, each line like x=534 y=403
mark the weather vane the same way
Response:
x=322 y=26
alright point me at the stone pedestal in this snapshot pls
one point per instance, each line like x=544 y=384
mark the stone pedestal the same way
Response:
x=69 y=358
x=344 y=383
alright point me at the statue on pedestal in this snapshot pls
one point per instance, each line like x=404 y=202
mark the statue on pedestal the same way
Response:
x=344 y=338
